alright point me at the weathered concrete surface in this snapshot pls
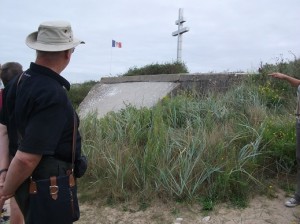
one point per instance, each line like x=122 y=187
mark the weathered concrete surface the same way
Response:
x=114 y=93
x=104 y=98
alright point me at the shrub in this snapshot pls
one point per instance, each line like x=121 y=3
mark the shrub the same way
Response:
x=274 y=91
x=78 y=92
x=271 y=95
x=155 y=69
x=280 y=137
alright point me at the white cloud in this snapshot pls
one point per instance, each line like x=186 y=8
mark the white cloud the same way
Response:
x=224 y=35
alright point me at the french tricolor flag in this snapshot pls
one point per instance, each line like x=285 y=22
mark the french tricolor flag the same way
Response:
x=116 y=44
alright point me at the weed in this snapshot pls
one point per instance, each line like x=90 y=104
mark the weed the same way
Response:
x=207 y=203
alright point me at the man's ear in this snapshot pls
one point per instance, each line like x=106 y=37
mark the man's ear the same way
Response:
x=68 y=54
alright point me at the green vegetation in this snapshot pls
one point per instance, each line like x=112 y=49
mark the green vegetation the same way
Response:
x=78 y=92
x=206 y=149
x=155 y=69
x=277 y=91
x=185 y=148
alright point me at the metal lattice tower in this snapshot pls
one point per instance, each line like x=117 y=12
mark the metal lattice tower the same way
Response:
x=179 y=33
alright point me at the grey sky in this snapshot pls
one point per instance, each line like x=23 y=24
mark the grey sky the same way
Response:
x=225 y=35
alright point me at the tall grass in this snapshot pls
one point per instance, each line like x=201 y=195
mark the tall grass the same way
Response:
x=207 y=148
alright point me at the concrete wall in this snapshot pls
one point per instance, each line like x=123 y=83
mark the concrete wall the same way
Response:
x=201 y=82
x=115 y=93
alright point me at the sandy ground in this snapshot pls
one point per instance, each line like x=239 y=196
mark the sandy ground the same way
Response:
x=261 y=210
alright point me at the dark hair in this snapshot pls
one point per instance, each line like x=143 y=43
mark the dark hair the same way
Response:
x=9 y=70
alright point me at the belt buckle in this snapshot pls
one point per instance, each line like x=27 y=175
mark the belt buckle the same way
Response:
x=53 y=189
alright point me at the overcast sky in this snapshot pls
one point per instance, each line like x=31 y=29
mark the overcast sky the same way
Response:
x=225 y=35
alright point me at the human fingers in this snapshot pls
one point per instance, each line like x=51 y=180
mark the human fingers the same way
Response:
x=5 y=197
x=1 y=204
x=2 y=179
x=273 y=74
x=276 y=75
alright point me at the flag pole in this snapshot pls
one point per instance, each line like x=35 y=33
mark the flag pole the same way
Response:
x=110 y=60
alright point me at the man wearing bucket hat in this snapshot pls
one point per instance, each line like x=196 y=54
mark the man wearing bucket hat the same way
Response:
x=37 y=110
x=295 y=200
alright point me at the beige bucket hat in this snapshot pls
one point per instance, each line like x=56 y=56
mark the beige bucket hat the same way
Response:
x=53 y=36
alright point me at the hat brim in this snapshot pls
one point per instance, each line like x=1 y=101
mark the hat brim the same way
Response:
x=31 y=41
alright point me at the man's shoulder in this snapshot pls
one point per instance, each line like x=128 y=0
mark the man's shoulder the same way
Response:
x=40 y=88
